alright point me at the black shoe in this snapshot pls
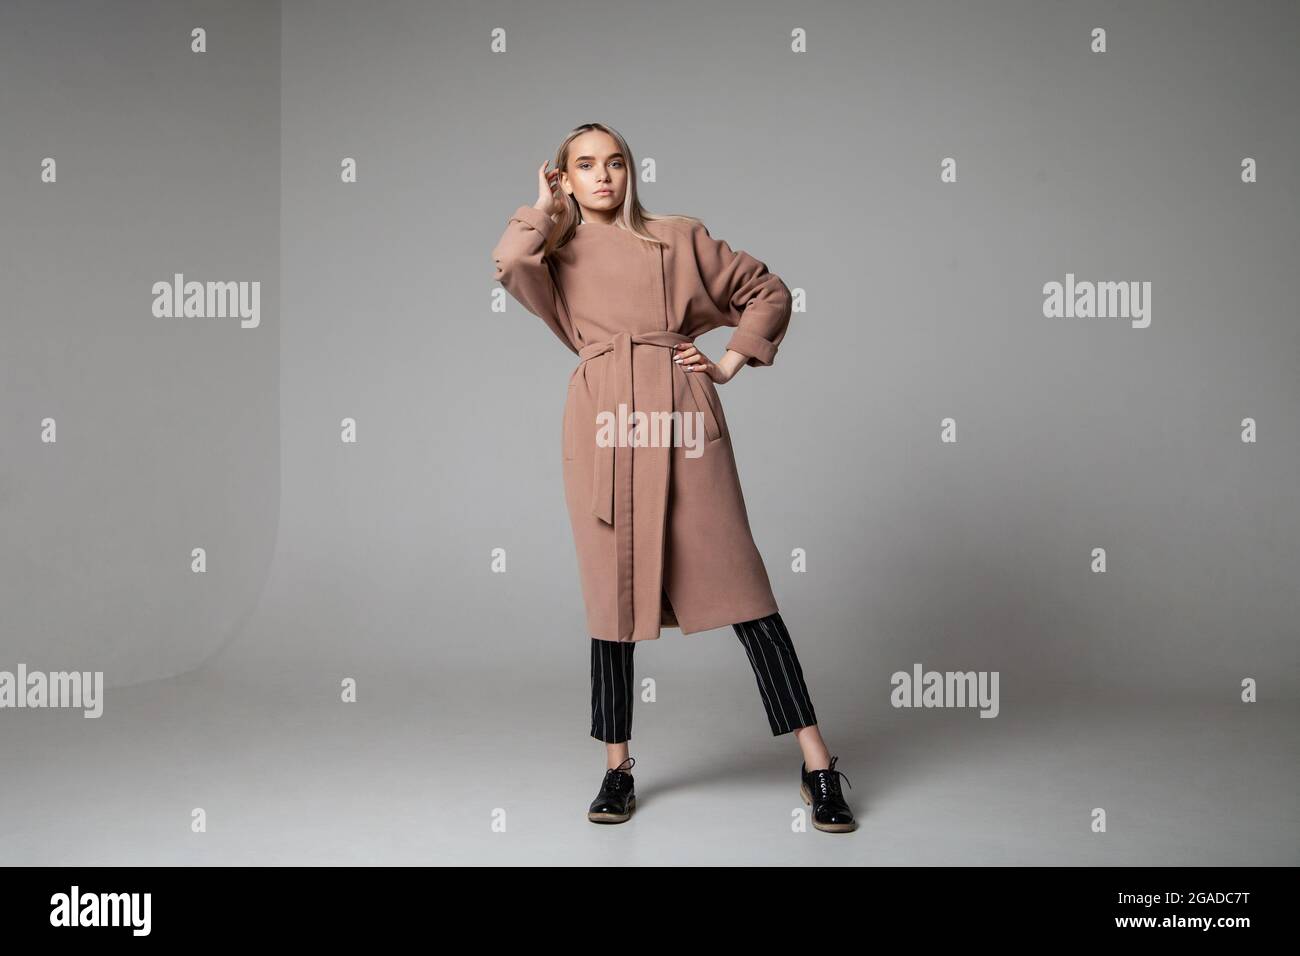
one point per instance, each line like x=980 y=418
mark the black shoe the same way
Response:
x=617 y=798
x=820 y=789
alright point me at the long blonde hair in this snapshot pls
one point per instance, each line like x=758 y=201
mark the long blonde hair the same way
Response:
x=632 y=217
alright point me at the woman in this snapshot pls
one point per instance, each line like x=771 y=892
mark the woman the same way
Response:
x=659 y=521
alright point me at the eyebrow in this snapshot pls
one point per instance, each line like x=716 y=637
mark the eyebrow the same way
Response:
x=611 y=156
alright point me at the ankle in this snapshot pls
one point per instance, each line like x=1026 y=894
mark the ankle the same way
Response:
x=821 y=761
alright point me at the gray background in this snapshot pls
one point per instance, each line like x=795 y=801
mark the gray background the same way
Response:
x=371 y=561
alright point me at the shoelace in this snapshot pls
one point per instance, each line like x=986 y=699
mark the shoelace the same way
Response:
x=616 y=777
x=827 y=782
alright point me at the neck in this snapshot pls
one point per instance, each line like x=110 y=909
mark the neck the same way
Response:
x=605 y=219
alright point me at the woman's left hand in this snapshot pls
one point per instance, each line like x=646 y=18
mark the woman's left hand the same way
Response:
x=693 y=360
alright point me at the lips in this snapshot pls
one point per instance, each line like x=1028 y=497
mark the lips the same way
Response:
x=604 y=192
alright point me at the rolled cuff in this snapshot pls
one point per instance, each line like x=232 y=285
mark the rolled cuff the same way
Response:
x=758 y=350
x=535 y=218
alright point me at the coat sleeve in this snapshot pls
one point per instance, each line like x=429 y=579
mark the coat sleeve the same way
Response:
x=748 y=297
x=527 y=276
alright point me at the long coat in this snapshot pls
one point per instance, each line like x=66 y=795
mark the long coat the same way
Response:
x=661 y=530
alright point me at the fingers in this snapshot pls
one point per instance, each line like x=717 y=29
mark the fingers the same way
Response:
x=543 y=183
x=690 y=358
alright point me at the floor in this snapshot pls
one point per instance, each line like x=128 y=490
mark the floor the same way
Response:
x=286 y=773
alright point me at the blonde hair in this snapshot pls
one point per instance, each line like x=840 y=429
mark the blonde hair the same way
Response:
x=632 y=217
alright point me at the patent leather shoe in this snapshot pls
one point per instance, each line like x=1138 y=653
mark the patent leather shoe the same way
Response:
x=616 y=801
x=820 y=789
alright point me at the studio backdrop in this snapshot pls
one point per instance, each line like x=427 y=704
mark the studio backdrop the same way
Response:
x=268 y=420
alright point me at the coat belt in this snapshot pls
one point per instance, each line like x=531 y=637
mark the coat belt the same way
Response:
x=611 y=485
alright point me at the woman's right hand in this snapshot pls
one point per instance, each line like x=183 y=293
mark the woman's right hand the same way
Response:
x=549 y=199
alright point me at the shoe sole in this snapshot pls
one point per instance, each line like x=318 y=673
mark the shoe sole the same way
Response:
x=614 y=817
x=828 y=827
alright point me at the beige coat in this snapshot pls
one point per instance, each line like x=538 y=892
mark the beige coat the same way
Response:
x=661 y=530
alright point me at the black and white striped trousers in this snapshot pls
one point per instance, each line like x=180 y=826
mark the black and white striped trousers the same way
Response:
x=776 y=669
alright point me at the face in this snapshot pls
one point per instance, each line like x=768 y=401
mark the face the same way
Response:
x=596 y=176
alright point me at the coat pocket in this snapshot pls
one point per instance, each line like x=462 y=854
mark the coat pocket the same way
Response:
x=700 y=395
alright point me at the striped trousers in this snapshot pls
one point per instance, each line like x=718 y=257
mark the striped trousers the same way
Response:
x=771 y=654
